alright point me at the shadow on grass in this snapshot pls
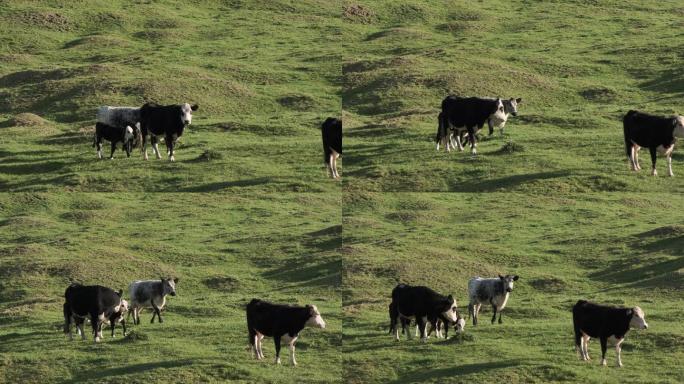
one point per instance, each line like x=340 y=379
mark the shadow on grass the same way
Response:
x=212 y=187
x=456 y=371
x=100 y=373
x=507 y=182
x=302 y=273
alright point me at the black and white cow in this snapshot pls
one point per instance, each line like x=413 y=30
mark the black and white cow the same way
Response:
x=494 y=291
x=150 y=294
x=332 y=144
x=656 y=133
x=466 y=114
x=97 y=303
x=608 y=323
x=424 y=305
x=167 y=120
x=124 y=135
x=439 y=324
x=282 y=322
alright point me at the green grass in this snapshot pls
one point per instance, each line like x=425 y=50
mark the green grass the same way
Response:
x=578 y=65
x=225 y=251
x=265 y=75
x=610 y=249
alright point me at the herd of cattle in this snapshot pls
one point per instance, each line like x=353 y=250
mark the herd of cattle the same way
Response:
x=429 y=308
x=461 y=118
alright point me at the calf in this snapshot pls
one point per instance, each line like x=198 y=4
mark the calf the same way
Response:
x=494 y=291
x=440 y=325
x=95 y=302
x=126 y=135
x=167 y=120
x=332 y=144
x=423 y=304
x=496 y=121
x=150 y=294
x=605 y=322
x=115 y=318
x=469 y=115
x=282 y=322
x=656 y=133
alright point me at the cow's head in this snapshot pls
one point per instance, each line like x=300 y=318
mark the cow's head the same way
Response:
x=186 y=113
x=459 y=326
x=678 y=126
x=511 y=106
x=637 y=320
x=449 y=309
x=508 y=282
x=499 y=110
x=315 y=319
x=124 y=306
x=169 y=286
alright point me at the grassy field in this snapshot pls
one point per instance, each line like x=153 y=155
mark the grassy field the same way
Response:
x=225 y=250
x=611 y=249
x=265 y=75
x=578 y=65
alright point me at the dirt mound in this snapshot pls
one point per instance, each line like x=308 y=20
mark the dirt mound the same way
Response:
x=28 y=120
x=358 y=13
x=599 y=94
x=297 y=102
x=222 y=283
x=47 y=20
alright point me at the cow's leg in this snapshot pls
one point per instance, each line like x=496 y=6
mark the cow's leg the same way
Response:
x=98 y=144
x=67 y=321
x=143 y=148
x=653 y=152
x=95 y=324
x=668 y=158
x=79 y=327
x=169 y=146
x=500 y=322
x=260 y=345
x=632 y=158
x=405 y=325
x=618 y=350
x=290 y=341
x=253 y=342
x=473 y=141
x=155 y=146
x=585 y=344
x=331 y=160
x=604 y=345
x=494 y=315
x=636 y=157
x=156 y=311
x=111 y=155
x=123 y=325
x=459 y=141
x=112 y=324
x=276 y=340
x=422 y=324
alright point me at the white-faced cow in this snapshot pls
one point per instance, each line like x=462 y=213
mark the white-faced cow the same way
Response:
x=94 y=302
x=124 y=135
x=332 y=144
x=440 y=324
x=493 y=291
x=282 y=322
x=608 y=323
x=424 y=305
x=466 y=114
x=656 y=133
x=168 y=121
x=150 y=294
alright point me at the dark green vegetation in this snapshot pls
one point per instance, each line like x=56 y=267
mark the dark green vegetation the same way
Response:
x=611 y=249
x=578 y=65
x=225 y=250
x=265 y=74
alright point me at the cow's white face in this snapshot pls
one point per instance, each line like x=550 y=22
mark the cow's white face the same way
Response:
x=679 y=126
x=638 y=321
x=500 y=112
x=460 y=324
x=186 y=113
x=169 y=286
x=124 y=306
x=128 y=136
x=452 y=312
x=511 y=106
x=315 y=320
x=508 y=282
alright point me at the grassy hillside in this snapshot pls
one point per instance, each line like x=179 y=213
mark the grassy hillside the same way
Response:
x=611 y=249
x=578 y=65
x=225 y=250
x=265 y=74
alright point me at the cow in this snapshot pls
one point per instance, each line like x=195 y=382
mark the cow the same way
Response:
x=167 y=120
x=282 y=322
x=469 y=115
x=150 y=294
x=125 y=135
x=440 y=325
x=494 y=291
x=605 y=322
x=331 y=130
x=97 y=303
x=656 y=133
x=116 y=318
x=423 y=304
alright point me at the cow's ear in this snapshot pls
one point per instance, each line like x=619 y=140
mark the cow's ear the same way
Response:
x=162 y=279
x=518 y=100
x=195 y=107
x=120 y=292
x=516 y=277
x=501 y=277
x=175 y=280
x=629 y=312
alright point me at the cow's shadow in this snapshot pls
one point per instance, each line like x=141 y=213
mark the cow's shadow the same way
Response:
x=101 y=373
x=455 y=371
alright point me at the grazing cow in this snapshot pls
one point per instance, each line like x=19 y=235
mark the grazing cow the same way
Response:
x=167 y=120
x=126 y=135
x=494 y=291
x=97 y=303
x=150 y=294
x=332 y=144
x=656 y=133
x=435 y=324
x=282 y=322
x=423 y=304
x=116 y=318
x=606 y=323
x=469 y=115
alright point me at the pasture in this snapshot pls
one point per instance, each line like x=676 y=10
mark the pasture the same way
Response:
x=265 y=75
x=617 y=249
x=578 y=65
x=225 y=251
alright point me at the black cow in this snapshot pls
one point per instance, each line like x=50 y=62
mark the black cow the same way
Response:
x=167 y=120
x=97 y=303
x=126 y=135
x=656 y=133
x=605 y=322
x=469 y=114
x=423 y=304
x=332 y=144
x=282 y=322
x=439 y=324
